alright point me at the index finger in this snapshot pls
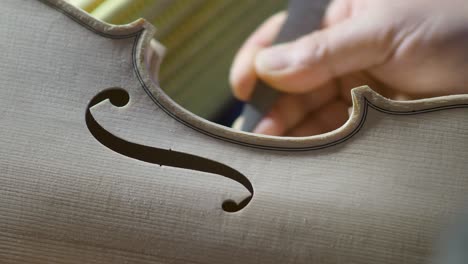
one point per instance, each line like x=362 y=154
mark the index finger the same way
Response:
x=242 y=76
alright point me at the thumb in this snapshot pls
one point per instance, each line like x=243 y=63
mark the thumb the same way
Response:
x=313 y=60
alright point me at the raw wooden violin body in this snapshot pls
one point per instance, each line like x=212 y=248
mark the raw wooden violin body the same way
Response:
x=98 y=165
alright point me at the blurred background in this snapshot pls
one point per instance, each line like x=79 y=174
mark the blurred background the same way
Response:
x=201 y=37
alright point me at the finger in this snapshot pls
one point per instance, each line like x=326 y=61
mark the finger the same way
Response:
x=326 y=119
x=242 y=76
x=305 y=64
x=350 y=81
x=290 y=109
x=337 y=11
x=401 y=97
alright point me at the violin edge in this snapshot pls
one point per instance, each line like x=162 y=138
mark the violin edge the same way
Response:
x=147 y=59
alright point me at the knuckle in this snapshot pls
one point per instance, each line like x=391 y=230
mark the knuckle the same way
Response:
x=310 y=50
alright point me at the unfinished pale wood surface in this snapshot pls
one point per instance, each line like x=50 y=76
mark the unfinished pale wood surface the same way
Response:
x=378 y=190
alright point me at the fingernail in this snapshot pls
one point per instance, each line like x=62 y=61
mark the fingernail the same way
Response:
x=272 y=59
x=266 y=127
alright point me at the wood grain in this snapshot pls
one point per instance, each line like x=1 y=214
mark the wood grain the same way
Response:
x=380 y=189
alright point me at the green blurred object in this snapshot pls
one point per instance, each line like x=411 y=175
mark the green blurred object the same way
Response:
x=201 y=37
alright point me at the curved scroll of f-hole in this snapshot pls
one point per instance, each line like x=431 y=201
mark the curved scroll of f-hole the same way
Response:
x=119 y=97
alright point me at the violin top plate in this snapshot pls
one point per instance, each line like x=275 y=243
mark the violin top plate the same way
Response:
x=98 y=164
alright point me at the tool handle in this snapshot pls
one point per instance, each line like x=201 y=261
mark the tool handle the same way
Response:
x=304 y=16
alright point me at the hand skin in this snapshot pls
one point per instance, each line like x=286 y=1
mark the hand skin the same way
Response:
x=403 y=49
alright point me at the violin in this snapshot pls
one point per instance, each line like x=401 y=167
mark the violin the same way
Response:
x=98 y=164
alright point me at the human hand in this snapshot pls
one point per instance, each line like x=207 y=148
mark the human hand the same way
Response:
x=402 y=49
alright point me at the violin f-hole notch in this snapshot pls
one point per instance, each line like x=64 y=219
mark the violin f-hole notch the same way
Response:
x=163 y=157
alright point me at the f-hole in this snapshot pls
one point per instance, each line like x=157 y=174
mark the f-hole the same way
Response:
x=119 y=98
